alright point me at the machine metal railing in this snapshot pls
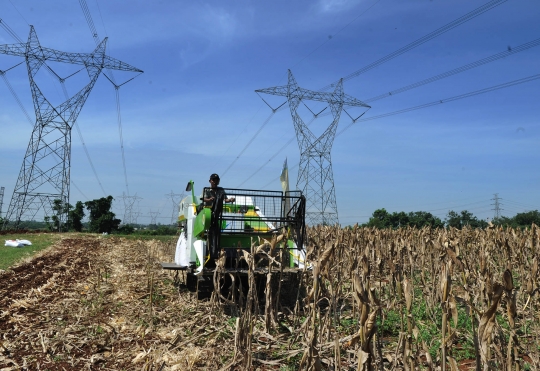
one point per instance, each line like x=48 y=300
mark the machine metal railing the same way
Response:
x=255 y=213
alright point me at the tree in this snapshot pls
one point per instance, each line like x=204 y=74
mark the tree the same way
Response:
x=421 y=219
x=465 y=218
x=520 y=220
x=102 y=219
x=528 y=218
x=76 y=216
x=380 y=219
x=59 y=208
x=416 y=219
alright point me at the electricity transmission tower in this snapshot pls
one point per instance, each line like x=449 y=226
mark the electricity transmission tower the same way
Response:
x=153 y=216
x=130 y=217
x=45 y=171
x=496 y=206
x=315 y=176
x=1 y=200
x=175 y=198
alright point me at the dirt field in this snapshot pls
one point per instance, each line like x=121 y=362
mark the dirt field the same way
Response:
x=93 y=303
x=372 y=300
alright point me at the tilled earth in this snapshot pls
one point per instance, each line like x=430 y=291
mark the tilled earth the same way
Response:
x=104 y=303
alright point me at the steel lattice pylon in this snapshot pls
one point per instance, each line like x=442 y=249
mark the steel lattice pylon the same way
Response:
x=315 y=176
x=45 y=171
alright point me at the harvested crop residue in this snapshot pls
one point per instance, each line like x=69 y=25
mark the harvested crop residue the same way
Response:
x=93 y=303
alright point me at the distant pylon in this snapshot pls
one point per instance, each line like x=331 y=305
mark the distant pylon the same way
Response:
x=135 y=216
x=1 y=200
x=175 y=198
x=496 y=206
x=129 y=202
x=45 y=171
x=153 y=216
x=315 y=176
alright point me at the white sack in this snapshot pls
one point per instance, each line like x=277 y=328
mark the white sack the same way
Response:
x=181 y=257
x=13 y=243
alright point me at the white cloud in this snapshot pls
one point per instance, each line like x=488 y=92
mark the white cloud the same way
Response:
x=334 y=6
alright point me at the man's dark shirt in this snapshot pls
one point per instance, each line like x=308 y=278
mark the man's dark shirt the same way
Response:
x=213 y=192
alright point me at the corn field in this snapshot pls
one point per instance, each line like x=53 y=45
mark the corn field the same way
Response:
x=368 y=299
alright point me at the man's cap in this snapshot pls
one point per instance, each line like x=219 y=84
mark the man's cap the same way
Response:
x=214 y=176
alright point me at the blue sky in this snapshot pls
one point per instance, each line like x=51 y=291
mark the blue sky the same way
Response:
x=194 y=109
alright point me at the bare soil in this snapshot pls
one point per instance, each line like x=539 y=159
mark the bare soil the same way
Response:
x=102 y=303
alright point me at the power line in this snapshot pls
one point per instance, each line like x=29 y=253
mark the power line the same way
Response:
x=78 y=189
x=519 y=204
x=279 y=151
x=465 y=18
x=280 y=108
x=455 y=71
x=19 y=13
x=250 y=141
x=110 y=77
x=492 y=58
x=441 y=101
x=9 y=30
x=332 y=36
x=426 y=105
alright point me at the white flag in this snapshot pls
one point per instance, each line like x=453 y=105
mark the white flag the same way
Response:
x=284 y=177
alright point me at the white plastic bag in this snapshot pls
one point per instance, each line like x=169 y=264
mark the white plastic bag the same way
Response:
x=13 y=243
x=24 y=242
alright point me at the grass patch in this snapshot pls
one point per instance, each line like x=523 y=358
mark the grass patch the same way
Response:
x=40 y=241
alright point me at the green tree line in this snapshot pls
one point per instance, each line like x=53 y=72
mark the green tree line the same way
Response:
x=418 y=219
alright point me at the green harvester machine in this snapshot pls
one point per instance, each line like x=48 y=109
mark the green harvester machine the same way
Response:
x=214 y=237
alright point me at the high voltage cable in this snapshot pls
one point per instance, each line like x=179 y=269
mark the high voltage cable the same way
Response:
x=280 y=108
x=18 y=12
x=451 y=99
x=506 y=201
x=492 y=58
x=93 y=30
x=341 y=29
x=89 y=160
x=418 y=42
x=9 y=30
x=89 y=20
x=66 y=95
x=273 y=156
x=467 y=17
x=250 y=141
x=6 y=81
x=452 y=72
x=270 y=159
x=455 y=71
x=452 y=207
x=441 y=101
x=101 y=17
x=78 y=189
x=121 y=136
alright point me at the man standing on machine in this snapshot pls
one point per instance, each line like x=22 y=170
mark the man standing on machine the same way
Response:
x=214 y=192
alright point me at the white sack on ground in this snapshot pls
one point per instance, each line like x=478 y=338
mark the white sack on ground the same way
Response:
x=13 y=243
